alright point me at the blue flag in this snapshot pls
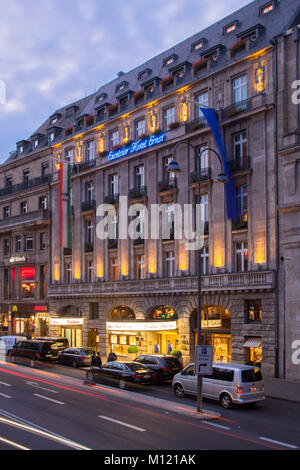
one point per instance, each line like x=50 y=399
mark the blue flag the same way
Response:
x=231 y=205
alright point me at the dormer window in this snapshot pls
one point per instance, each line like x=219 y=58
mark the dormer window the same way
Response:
x=21 y=149
x=101 y=97
x=230 y=28
x=169 y=60
x=144 y=74
x=35 y=143
x=54 y=120
x=51 y=136
x=267 y=8
x=121 y=86
x=197 y=45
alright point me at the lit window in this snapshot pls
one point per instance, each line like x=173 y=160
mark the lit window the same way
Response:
x=91 y=150
x=267 y=8
x=230 y=28
x=139 y=128
x=169 y=61
x=197 y=46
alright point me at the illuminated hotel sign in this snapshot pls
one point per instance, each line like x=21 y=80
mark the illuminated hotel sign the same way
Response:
x=66 y=321
x=141 y=326
x=17 y=259
x=137 y=146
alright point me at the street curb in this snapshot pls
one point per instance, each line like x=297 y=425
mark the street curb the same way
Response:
x=290 y=400
x=166 y=405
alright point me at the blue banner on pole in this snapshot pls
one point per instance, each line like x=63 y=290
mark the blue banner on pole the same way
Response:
x=231 y=205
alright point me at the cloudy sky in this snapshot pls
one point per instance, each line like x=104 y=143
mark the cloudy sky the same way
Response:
x=53 y=52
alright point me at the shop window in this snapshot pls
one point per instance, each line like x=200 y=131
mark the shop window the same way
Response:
x=163 y=312
x=27 y=279
x=121 y=313
x=253 y=311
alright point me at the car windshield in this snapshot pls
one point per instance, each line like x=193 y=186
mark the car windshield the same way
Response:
x=135 y=367
x=251 y=375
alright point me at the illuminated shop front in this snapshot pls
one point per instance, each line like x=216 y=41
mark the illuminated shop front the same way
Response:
x=253 y=347
x=70 y=328
x=216 y=330
x=149 y=336
x=27 y=281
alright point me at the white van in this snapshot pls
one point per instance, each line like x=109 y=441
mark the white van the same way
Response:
x=8 y=342
x=230 y=383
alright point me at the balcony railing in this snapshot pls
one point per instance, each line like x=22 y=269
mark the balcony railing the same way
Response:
x=25 y=185
x=84 y=166
x=111 y=199
x=138 y=192
x=194 y=125
x=205 y=174
x=29 y=218
x=262 y=280
x=236 y=109
x=88 y=206
x=167 y=185
x=240 y=164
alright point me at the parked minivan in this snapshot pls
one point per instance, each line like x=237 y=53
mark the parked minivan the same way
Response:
x=8 y=342
x=33 y=350
x=230 y=383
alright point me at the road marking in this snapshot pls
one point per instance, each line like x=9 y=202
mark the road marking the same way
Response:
x=49 y=399
x=4 y=396
x=6 y=385
x=278 y=442
x=34 y=384
x=14 y=444
x=46 y=434
x=122 y=424
x=216 y=425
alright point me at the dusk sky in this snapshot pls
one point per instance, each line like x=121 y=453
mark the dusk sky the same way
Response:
x=53 y=52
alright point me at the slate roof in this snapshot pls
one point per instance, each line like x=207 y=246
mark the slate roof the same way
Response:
x=284 y=15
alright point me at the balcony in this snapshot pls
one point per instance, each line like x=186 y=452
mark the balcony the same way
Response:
x=168 y=185
x=235 y=109
x=139 y=192
x=38 y=217
x=88 y=206
x=240 y=164
x=79 y=167
x=112 y=199
x=88 y=247
x=205 y=175
x=194 y=125
x=235 y=282
x=25 y=185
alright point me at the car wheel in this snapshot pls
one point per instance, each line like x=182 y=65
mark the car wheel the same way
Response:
x=225 y=400
x=74 y=364
x=122 y=384
x=179 y=390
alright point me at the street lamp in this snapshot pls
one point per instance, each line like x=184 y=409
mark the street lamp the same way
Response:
x=221 y=178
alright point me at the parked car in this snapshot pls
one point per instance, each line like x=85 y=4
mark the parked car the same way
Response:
x=165 y=366
x=122 y=374
x=33 y=350
x=62 y=343
x=76 y=357
x=8 y=342
x=230 y=383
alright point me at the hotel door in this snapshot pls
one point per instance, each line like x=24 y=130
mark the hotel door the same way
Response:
x=164 y=337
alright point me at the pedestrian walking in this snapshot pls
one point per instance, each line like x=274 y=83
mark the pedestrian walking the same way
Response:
x=94 y=362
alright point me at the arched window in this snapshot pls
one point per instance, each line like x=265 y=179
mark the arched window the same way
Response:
x=121 y=313
x=163 y=312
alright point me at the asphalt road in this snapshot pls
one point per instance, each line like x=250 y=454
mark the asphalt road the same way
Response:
x=50 y=408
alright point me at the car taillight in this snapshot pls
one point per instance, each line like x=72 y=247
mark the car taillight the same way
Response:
x=136 y=376
x=85 y=357
x=239 y=390
x=166 y=368
x=37 y=355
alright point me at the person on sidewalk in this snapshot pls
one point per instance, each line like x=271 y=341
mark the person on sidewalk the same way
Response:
x=94 y=362
x=170 y=347
x=98 y=360
x=112 y=357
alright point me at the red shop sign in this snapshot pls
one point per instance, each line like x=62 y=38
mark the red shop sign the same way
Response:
x=27 y=273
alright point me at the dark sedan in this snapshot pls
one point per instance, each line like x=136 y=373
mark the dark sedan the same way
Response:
x=165 y=366
x=122 y=374
x=76 y=357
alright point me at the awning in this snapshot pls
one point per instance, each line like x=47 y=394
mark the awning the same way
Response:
x=253 y=343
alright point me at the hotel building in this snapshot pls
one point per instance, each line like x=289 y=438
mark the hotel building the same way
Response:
x=119 y=292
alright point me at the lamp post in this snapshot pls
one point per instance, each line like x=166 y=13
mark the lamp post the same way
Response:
x=221 y=178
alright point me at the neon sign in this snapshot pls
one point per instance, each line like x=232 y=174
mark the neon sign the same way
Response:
x=137 y=146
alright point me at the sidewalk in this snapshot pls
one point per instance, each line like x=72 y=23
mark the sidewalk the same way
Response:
x=282 y=389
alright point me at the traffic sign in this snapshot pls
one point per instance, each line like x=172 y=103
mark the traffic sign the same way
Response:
x=204 y=360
